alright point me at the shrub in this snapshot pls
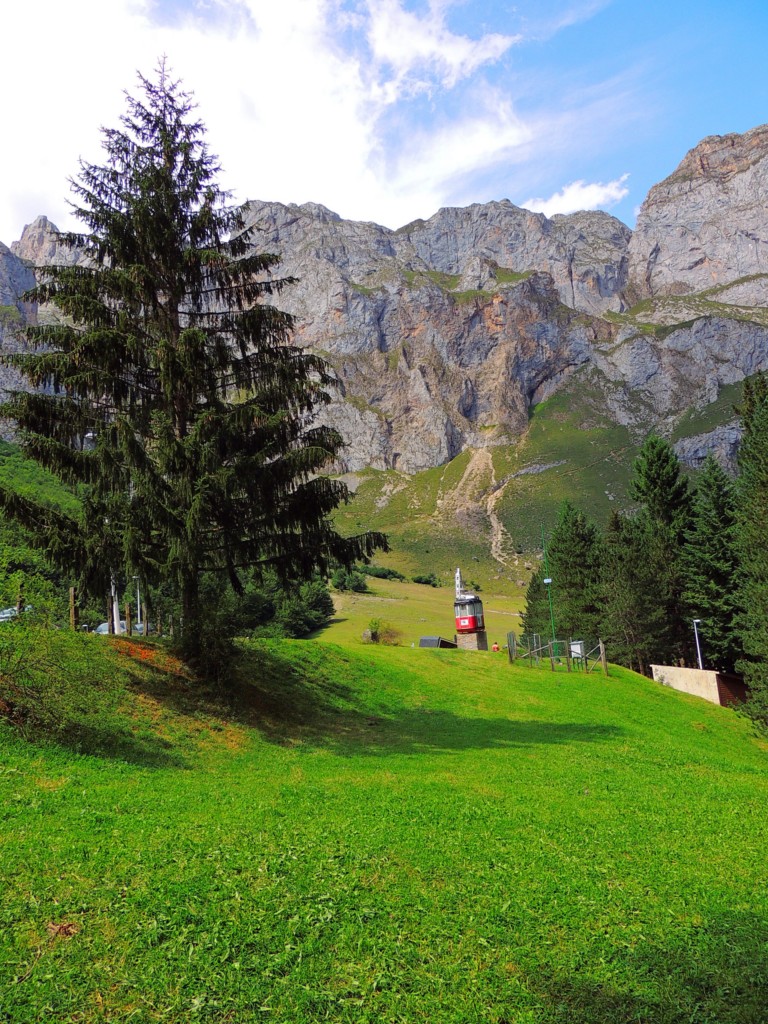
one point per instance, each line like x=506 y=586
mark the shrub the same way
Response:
x=380 y=572
x=429 y=580
x=349 y=579
x=381 y=632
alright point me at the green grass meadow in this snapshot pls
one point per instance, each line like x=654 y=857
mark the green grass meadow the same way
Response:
x=360 y=833
x=415 y=610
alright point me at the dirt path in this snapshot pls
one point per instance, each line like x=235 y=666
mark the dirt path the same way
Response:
x=477 y=488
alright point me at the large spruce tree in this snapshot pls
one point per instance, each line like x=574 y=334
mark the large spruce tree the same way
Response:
x=634 y=620
x=752 y=543
x=665 y=508
x=573 y=566
x=166 y=389
x=710 y=566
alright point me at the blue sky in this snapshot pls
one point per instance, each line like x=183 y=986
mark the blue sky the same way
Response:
x=386 y=110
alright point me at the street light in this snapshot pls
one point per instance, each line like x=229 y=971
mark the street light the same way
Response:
x=548 y=583
x=697 y=622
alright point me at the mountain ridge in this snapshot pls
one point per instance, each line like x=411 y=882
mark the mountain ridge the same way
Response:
x=447 y=332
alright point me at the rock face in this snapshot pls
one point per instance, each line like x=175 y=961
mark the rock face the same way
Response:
x=444 y=333
x=652 y=379
x=15 y=278
x=705 y=225
x=40 y=245
x=438 y=345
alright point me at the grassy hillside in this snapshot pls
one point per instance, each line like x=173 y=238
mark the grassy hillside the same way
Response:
x=415 y=611
x=372 y=834
x=485 y=510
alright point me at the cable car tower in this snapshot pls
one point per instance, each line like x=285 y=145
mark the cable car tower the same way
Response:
x=470 y=621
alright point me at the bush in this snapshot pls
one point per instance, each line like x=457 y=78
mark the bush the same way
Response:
x=380 y=572
x=349 y=579
x=429 y=580
x=301 y=613
x=381 y=632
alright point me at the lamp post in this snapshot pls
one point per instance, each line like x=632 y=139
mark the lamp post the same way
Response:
x=548 y=584
x=696 y=623
x=138 y=604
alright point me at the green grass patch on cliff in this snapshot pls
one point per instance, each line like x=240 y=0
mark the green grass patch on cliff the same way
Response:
x=571 y=450
x=367 y=834
x=718 y=413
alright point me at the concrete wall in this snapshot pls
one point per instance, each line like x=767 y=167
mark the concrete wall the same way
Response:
x=712 y=686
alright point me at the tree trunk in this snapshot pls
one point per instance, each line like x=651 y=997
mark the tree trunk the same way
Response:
x=191 y=624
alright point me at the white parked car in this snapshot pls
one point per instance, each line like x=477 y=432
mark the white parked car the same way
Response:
x=103 y=629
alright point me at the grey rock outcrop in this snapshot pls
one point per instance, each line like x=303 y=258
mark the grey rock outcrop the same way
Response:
x=654 y=377
x=40 y=245
x=15 y=278
x=444 y=333
x=722 y=442
x=705 y=225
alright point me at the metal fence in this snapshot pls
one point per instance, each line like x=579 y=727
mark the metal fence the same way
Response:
x=558 y=655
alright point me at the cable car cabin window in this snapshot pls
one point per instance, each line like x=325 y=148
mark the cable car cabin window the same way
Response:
x=469 y=616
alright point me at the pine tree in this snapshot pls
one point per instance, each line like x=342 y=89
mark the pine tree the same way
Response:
x=536 y=615
x=710 y=567
x=634 y=621
x=572 y=563
x=659 y=487
x=574 y=567
x=665 y=505
x=752 y=543
x=168 y=391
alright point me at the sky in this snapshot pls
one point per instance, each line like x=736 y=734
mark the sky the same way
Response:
x=387 y=110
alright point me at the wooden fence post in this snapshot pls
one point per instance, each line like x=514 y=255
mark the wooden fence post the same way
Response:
x=603 y=658
x=551 y=655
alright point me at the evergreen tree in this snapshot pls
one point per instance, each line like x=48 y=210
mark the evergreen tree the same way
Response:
x=634 y=622
x=173 y=397
x=573 y=566
x=659 y=487
x=536 y=616
x=709 y=565
x=752 y=543
x=665 y=507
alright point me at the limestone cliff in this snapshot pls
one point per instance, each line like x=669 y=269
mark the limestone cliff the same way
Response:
x=446 y=332
x=706 y=224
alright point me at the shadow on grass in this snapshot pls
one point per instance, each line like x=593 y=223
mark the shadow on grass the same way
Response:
x=115 y=740
x=299 y=693
x=716 y=973
x=290 y=700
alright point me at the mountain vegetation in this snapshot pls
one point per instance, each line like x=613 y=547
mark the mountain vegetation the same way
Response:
x=681 y=555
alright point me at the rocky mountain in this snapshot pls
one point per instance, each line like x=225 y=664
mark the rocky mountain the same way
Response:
x=447 y=332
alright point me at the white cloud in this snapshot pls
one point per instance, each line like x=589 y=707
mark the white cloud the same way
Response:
x=580 y=195
x=293 y=95
x=377 y=111
x=412 y=46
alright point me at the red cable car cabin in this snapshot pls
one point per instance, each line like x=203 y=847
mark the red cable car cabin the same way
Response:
x=468 y=610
